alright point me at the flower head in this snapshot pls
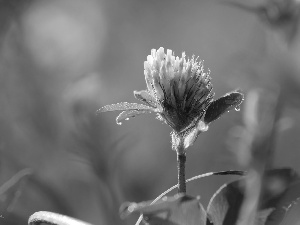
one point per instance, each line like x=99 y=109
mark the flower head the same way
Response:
x=180 y=89
x=180 y=92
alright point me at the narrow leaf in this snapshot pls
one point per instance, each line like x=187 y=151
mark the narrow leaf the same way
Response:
x=51 y=218
x=123 y=106
x=180 y=209
x=222 y=105
x=11 y=190
x=292 y=216
x=145 y=97
x=125 y=115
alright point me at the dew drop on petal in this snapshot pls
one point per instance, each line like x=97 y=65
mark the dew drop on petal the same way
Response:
x=127 y=119
x=131 y=208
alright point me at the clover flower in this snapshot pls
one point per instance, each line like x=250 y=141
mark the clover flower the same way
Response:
x=180 y=92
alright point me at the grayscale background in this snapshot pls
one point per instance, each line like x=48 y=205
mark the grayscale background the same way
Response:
x=61 y=60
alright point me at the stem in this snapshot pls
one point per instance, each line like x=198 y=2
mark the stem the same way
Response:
x=181 y=159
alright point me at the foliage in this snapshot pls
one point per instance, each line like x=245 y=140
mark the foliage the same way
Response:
x=278 y=203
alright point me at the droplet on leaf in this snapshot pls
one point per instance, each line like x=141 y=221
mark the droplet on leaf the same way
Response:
x=224 y=104
x=125 y=115
x=238 y=108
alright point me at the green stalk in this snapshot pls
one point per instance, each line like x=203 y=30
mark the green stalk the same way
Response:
x=181 y=159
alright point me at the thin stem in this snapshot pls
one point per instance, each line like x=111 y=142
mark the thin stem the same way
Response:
x=181 y=159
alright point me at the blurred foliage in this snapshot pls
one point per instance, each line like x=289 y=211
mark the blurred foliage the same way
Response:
x=277 y=204
x=62 y=60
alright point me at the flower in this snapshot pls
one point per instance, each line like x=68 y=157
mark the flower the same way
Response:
x=180 y=92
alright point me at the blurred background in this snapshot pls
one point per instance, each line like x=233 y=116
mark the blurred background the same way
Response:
x=61 y=60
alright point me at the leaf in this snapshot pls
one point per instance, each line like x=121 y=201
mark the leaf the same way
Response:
x=125 y=115
x=262 y=216
x=283 y=202
x=51 y=218
x=177 y=210
x=292 y=215
x=224 y=206
x=11 y=190
x=280 y=188
x=145 y=97
x=220 y=106
x=124 y=106
x=278 y=185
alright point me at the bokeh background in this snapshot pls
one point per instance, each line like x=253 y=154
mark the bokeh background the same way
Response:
x=61 y=60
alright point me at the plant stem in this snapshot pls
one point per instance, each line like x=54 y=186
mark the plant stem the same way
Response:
x=181 y=159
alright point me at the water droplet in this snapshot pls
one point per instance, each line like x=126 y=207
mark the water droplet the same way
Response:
x=127 y=119
x=237 y=108
x=131 y=208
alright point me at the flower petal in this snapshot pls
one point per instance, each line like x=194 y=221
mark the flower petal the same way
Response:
x=124 y=106
x=125 y=115
x=145 y=97
x=220 y=106
x=158 y=91
x=148 y=76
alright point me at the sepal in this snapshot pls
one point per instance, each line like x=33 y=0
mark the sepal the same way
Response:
x=222 y=105
x=124 y=106
x=145 y=97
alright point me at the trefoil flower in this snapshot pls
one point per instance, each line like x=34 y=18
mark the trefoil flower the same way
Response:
x=180 y=92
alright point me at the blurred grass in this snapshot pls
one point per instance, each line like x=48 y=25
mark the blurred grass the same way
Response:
x=62 y=60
